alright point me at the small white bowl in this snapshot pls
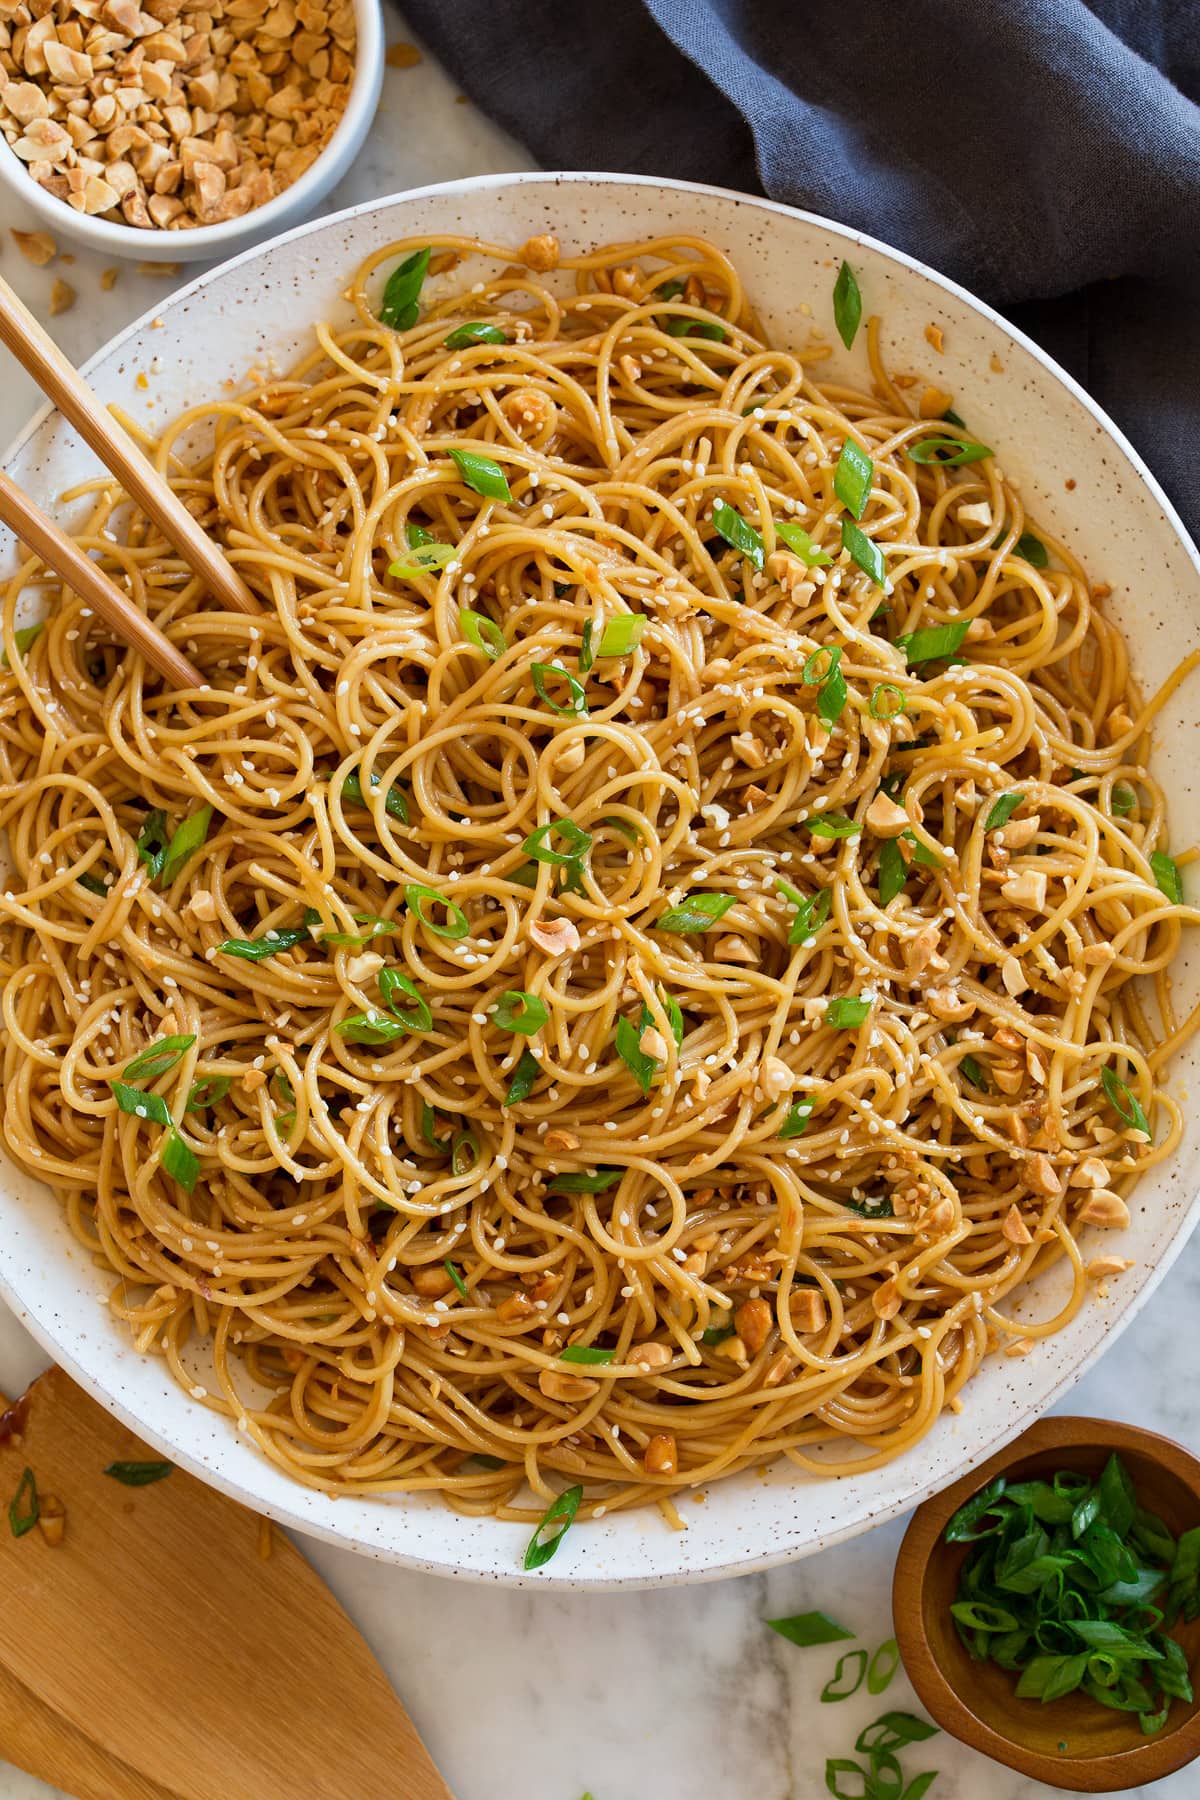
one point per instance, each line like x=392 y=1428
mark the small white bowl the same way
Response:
x=209 y=241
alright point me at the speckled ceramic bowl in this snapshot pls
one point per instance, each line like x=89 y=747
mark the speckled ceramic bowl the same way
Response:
x=1078 y=475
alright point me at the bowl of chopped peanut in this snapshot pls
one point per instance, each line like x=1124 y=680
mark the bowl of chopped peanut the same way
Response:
x=213 y=122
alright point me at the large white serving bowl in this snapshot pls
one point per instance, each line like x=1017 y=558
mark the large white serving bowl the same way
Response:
x=1077 y=474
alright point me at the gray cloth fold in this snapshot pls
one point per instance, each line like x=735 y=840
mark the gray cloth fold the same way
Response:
x=1044 y=153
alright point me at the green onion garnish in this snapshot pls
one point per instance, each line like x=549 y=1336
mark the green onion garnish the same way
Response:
x=718 y=1334
x=1124 y=799
x=456 y=1278
x=418 y=898
x=399 y=308
x=483 y=632
x=24 y=1509
x=415 y=535
x=483 y=474
x=395 y=803
x=560 y=1513
x=628 y=1040
x=394 y=983
x=821 y=665
x=370 y=1028
x=947 y=452
x=517 y=1010
x=139 y=1474
x=94 y=885
x=848 y=1676
x=893 y=871
x=464 y=1153
x=975 y=1075
x=796 y=1123
x=847 y=305
x=463 y=336
x=1124 y=1101
x=812 y=910
x=677 y=325
x=543 y=672
x=695 y=912
x=139 y=1104
x=270 y=944
x=524 y=1076
x=183 y=845
x=823 y=670
x=864 y=551
x=426 y=559
x=846 y=1012
x=935 y=642
x=852 y=478
x=887 y=701
x=798 y=540
x=180 y=1160
x=152 y=842
x=585 y=1353
x=597 y=1181
x=1002 y=811
x=158 y=1057
x=739 y=533
x=587 y=654
x=1032 y=549
x=538 y=846
x=621 y=635
x=24 y=639
x=1167 y=878
x=429 y=1130
x=207 y=1091
x=806 y=1629
x=833 y=825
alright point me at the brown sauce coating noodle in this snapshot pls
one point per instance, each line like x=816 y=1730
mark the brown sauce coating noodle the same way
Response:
x=819 y=1295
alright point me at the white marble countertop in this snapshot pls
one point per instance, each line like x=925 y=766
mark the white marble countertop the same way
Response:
x=645 y=1696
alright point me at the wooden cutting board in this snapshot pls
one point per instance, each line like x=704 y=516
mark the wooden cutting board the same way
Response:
x=179 y=1660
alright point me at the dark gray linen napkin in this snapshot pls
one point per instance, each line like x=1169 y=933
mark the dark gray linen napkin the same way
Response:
x=1044 y=153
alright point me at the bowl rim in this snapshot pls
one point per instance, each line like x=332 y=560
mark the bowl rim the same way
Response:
x=1146 y=1760
x=725 y=1565
x=134 y=243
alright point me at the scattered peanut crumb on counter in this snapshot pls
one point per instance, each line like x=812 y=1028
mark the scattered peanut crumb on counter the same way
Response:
x=108 y=279
x=62 y=297
x=934 y=336
x=141 y=379
x=403 y=56
x=995 y=365
x=165 y=271
x=37 y=247
x=52 y=1519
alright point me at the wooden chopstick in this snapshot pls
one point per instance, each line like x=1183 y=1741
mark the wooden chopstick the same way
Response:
x=37 y=352
x=90 y=582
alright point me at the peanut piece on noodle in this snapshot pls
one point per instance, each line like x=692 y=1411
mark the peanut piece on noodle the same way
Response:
x=1103 y=1207
x=753 y=1321
x=1092 y=1172
x=431 y=1280
x=1014 y=1228
x=662 y=1456
x=808 y=1311
x=557 y=1386
x=555 y=937
x=1043 y=1176
x=540 y=253
x=651 y=1356
x=884 y=816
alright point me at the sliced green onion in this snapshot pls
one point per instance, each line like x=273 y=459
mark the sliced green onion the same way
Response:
x=94 y=886
x=894 y=1729
x=139 y=1474
x=622 y=634
x=542 y=672
x=852 y=478
x=847 y=305
x=947 y=452
x=585 y=1353
x=1124 y=799
x=560 y=1513
x=846 y=1012
x=456 y=1278
x=399 y=308
x=159 y=1056
x=739 y=533
x=141 y=1105
x=207 y=1091
x=847 y=1678
x=796 y=1123
x=1123 y=1101
x=628 y=1039
x=184 y=844
x=152 y=842
x=24 y=1509
x=950 y=417
x=887 y=701
x=429 y=1130
x=270 y=944
x=517 y=1010
x=806 y=1629
x=1167 y=878
x=393 y=983
x=678 y=325
x=587 y=655
x=798 y=541
x=833 y=825
x=395 y=803
x=464 y=1153
x=483 y=474
x=821 y=665
x=24 y=639
x=418 y=898
x=893 y=871
x=524 y=1076
x=812 y=910
x=537 y=843
x=884 y=1664
x=180 y=1160
x=463 y=336
x=975 y=1075
x=598 y=1181
x=426 y=559
x=935 y=642
x=370 y=1028
x=1032 y=549
x=718 y=1334
x=1002 y=811
x=483 y=632
x=831 y=701
x=864 y=551
x=695 y=912
x=416 y=535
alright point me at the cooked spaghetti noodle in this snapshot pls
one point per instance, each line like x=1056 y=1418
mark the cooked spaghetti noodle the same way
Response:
x=643 y=925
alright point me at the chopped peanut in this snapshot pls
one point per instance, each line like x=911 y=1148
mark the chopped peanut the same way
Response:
x=1014 y=1228
x=1019 y=832
x=1013 y=976
x=885 y=818
x=651 y=1356
x=775 y=1078
x=733 y=948
x=431 y=1280
x=947 y=1003
x=653 y=1043
x=361 y=968
x=36 y=246
x=555 y=937
x=662 y=1456
x=1092 y=1172
x=557 y=1386
x=1026 y=889
x=1043 y=1177
x=571 y=756
x=561 y=1140
x=1103 y=1207
x=201 y=905
x=540 y=253
x=252 y=1079
x=1101 y=1268
x=62 y=294
x=515 y=1308
x=807 y=1309
x=753 y=1321
x=887 y=1299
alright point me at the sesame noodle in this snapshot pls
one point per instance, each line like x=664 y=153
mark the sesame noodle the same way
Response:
x=777 y=1165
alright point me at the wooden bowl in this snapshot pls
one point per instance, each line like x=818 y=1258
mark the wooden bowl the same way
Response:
x=1071 y=1743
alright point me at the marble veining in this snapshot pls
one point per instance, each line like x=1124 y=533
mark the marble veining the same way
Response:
x=663 y=1695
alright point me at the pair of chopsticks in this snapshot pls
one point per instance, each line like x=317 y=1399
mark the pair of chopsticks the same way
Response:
x=36 y=350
